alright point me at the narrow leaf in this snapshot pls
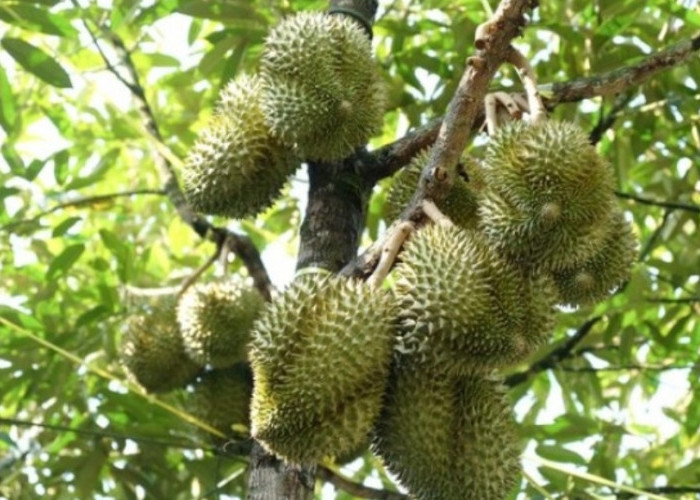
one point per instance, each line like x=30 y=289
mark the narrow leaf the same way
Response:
x=36 y=61
x=63 y=262
x=8 y=104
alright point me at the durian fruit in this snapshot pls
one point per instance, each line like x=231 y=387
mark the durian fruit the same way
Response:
x=236 y=168
x=215 y=321
x=608 y=268
x=448 y=438
x=462 y=308
x=462 y=201
x=320 y=356
x=549 y=196
x=221 y=398
x=152 y=352
x=322 y=93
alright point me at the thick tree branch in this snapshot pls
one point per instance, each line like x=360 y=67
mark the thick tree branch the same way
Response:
x=356 y=489
x=86 y=201
x=388 y=159
x=492 y=41
x=554 y=357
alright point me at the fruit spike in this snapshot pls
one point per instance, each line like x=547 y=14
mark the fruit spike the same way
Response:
x=461 y=308
x=236 y=168
x=322 y=93
x=448 y=438
x=594 y=279
x=462 y=201
x=152 y=350
x=221 y=398
x=215 y=321
x=320 y=356
x=548 y=195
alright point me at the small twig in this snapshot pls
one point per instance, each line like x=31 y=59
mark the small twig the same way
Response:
x=621 y=368
x=81 y=202
x=389 y=253
x=671 y=205
x=669 y=300
x=103 y=434
x=200 y=270
x=529 y=80
x=551 y=359
x=356 y=489
x=664 y=490
x=433 y=213
x=135 y=291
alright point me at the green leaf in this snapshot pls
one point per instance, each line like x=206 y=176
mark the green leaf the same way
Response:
x=560 y=454
x=64 y=226
x=32 y=18
x=60 y=166
x=63 y=262
x=8 y=104
x=36 y=61
x=106 y=163
x=13 y=159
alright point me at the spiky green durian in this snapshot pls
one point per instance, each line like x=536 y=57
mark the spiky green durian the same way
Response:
x=221 y=398
x=322 y=93
x=236 y=168
x=215 y=321
x=448 y=438
x=549 y=193
x=607 y=269
x=463 y=308
x=152 y=350
x=320 y=356
x=462 y=201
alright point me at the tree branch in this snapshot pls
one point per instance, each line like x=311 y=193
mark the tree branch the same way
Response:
x=619 y=80
x=492 y=40
x=554 y=357
x=623 y=368
x=671 y=205
x=390 y=158
x=239 y=244
x=81 y=202
x=356 y=489
x=662 y=490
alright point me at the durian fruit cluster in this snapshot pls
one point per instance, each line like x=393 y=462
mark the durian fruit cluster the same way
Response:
x=200 y=340
x=318 y=97
x=320 y=355
x=535 y=225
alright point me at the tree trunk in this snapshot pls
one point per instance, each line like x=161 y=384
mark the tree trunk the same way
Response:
x=329 y=238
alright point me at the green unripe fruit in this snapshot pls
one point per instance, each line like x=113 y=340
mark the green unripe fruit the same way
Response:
x=549 y=193
x=323 y=95
x=607 y=269
x=152 y=350
x=221 y=398
x=320 y=356
x=236 y=168
x=448 y=438
x=215 y=321
x=462 y=201
x=462 y=308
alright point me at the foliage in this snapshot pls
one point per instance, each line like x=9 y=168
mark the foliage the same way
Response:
x=622 y=404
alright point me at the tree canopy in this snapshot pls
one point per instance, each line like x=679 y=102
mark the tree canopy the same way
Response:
x=100 y=101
